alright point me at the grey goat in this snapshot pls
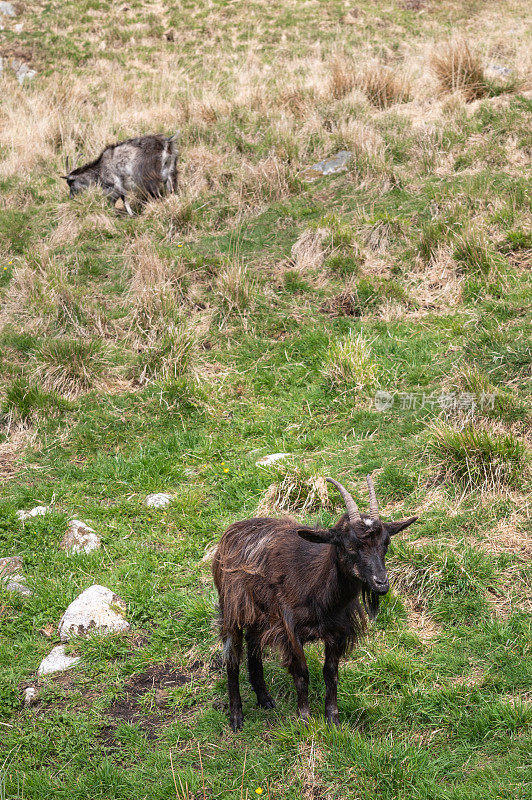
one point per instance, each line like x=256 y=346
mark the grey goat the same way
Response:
x=143 y=165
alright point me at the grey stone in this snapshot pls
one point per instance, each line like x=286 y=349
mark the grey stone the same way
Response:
x=7 y=9
x=38 y=511
x=57 y=661
x=23 y=71
x=265 y=461
x=329 y=166
x=158 y=500
x=18 y=587
x=30 y=696
x=79 y=538
x=96 y=610
x=505 y=72
x=11 y=575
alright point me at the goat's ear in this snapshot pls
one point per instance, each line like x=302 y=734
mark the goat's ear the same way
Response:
x=395 y=527
x=65 y=177
x=316 y=536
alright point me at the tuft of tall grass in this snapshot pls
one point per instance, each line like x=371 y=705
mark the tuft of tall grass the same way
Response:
x=234 y=288
x=71 y=367
x=490 y=401
x=384 y=87
x=308 y=252
x=153 y=290
x=24 y=401
x=167 y=356
x=298 y=492
x=458 y=69
x=473 y=254
x=349 y=363
x=477 y=458
x=342 y=77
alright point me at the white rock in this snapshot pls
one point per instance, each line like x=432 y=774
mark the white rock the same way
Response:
x=11 y=575
x=96 y=610
x=23 y=72
x=158 y=500
x=57 y=661
x=18 y=28
x=30 y=693
x=265 y=461
x=7 y=9
x=80 y=538
x=38 y=511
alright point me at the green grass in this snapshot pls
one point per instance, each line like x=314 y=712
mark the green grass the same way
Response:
x=168 y=352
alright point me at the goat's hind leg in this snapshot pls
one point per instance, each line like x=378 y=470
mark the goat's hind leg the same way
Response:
x=297 y=667
x=256 y=670
x=232 y=643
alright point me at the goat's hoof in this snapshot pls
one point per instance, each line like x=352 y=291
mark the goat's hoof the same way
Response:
x=236 y=721
x=265 y=701
x=304 y=717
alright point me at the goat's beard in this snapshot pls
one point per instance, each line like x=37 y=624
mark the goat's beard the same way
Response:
x=370 y=599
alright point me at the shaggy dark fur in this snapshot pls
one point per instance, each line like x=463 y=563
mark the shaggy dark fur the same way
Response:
x=145 y=165
x=285 y=584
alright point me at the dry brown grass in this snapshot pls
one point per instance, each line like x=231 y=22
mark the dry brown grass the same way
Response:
x=510 y=535
x=154 y=291
x=297 y=493
x=383 y=86
x=261 y=183
x=308 y=252
x=342 y=77
x=436 y=286
x=234 y=288
x=18 y=438
x=362 y=139
x=458 y=68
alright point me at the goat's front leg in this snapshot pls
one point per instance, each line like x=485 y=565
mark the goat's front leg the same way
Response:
x=127 y=206
x=298 y=669
x=330 y=676
x=233 y=653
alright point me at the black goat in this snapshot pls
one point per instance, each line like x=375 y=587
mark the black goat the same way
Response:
x=285 y=584
x=144 y=165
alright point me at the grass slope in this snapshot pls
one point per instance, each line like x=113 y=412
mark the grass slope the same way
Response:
x=254 y=313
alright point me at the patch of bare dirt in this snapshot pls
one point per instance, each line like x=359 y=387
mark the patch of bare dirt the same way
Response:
x=129 y=707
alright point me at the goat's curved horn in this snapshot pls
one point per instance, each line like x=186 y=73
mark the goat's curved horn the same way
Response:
x=352 y=509
x=67 y=163
x=373 y=506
